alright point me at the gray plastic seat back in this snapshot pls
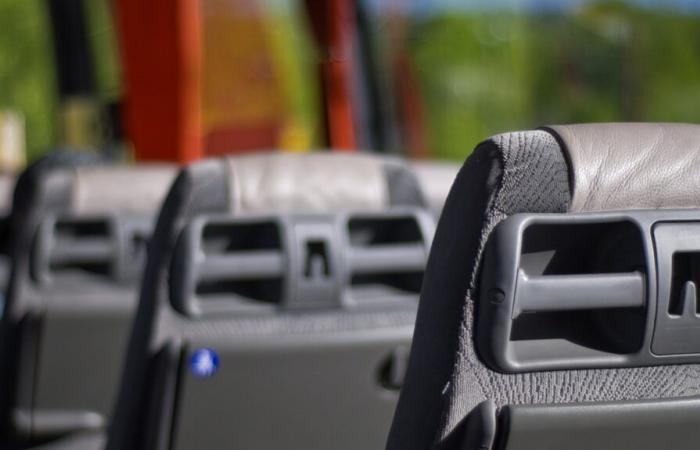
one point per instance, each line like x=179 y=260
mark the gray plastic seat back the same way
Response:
x=223 y=354
x=539 y=324
x=75 y=267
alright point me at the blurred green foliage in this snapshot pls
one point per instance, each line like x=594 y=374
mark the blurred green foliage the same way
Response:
x=104 y=49
x=479 y=71
x=26 y=70
x=27 y=66
x=484 y=72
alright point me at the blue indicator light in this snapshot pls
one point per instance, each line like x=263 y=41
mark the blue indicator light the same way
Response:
x=204 y=362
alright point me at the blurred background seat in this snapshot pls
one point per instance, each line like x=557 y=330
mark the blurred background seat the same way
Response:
x=436 y=179
x=304 y=346
x=78 y=243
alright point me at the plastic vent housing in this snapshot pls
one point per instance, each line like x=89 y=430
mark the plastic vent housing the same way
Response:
x=299 y=261
x=102 y=246
x=618 y=289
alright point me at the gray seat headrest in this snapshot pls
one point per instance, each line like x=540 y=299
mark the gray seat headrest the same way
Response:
x=435 y=179
x=632 y=165
x=123 y=189
x=307 y=182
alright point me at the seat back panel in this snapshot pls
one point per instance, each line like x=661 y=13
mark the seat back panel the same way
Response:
x=82 y=346
x=315 y=391
x=598 y=167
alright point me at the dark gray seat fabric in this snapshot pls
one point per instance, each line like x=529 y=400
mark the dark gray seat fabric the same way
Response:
x=7 y=183
x=558 y=169
x=162 y=405
x=66 y=318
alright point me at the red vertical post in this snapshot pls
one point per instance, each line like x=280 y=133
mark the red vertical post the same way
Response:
x=161 y=59
x=333 y=22
x=410 y=109
x=407 y=89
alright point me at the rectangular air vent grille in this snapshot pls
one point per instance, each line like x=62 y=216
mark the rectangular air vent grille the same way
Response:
x=228 y=265
x=386 y=257
x=106 y=247
x=298 y=261
x=81 y=246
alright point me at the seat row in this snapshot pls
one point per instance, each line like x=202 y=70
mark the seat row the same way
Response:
x=147 y=307
x=289 y=301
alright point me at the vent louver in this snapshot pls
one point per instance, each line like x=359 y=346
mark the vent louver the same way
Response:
x=386 y=257
x=260 y=264
x=90 y=246
x=228 y=265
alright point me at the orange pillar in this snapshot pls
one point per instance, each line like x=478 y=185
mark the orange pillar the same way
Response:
x=332 y=22
x=161 y=59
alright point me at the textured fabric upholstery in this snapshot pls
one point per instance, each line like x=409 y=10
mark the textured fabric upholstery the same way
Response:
x=507 y=174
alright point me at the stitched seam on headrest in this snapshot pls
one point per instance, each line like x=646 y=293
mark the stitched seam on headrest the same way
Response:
x=567 y=158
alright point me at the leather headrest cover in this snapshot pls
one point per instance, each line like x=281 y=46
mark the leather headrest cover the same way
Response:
x=632 y=165
x=128 y=189
x=307 y=182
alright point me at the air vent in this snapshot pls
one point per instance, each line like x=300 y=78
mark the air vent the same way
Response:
x=560 y=291
x=685 y=281
x=228 y=265
x=386 y=258
x=590 y=290
x=298 y=262
x=677 y=327
x=582 y=283
x=102 y=247
x=228 y=238
x=74 y=246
